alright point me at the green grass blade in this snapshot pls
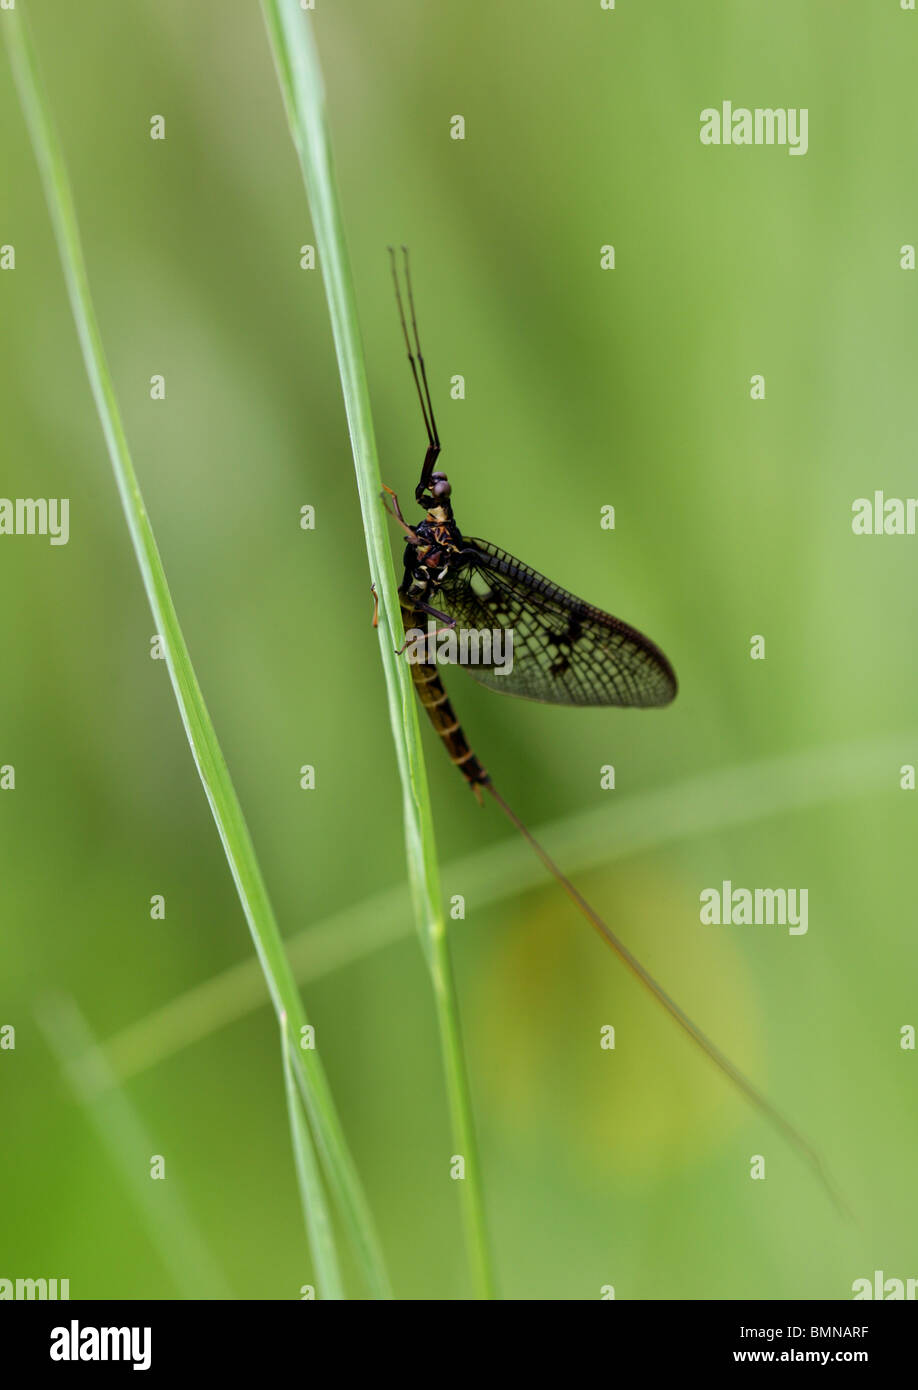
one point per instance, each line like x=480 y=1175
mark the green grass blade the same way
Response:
x=315 y=1214
x=227 y=812
x=169 y=1223
x=299 y=74
x=743 y=794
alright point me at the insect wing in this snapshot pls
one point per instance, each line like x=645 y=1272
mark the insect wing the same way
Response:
x=565 y=651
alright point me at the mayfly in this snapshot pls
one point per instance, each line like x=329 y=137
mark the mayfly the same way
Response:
x=565 y=652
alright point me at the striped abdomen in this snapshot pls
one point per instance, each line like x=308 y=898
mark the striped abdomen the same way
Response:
x=433 y=696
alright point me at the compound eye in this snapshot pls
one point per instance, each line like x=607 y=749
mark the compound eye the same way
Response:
x=441 y=487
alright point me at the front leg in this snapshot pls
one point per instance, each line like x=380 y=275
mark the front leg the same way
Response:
x=411 y=536
x=430 y=458
x=421 y=607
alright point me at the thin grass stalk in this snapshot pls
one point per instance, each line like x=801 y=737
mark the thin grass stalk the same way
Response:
x=299 y=74
x=309 y=1180
x=338 y=1164
x=169 y=1221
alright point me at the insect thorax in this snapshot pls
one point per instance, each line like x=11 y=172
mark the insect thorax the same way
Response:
x=427 y=562
x=426 y=567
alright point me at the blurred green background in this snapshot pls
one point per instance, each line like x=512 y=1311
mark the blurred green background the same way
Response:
x=583 y=387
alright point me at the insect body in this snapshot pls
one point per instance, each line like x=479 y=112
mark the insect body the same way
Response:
x=431 y=550
x=565 y=651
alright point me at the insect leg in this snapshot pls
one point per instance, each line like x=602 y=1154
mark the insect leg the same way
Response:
x=411 y=536
x=430 y=459
x=434 y=613
x=395 y=510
